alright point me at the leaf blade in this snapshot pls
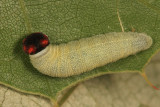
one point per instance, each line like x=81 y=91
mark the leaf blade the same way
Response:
x=64 y=21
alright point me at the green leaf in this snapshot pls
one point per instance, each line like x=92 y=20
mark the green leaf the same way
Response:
x=64 y=21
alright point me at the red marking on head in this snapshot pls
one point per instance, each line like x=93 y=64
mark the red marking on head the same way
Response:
x=31 y=49
x=24 y=40
x=45 y=36
x=44 y=42
x=24 y=48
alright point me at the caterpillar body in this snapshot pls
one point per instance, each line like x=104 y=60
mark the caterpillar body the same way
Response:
x=83 y=55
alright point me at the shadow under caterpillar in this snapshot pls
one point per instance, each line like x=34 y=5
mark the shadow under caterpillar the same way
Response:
x=83 y=55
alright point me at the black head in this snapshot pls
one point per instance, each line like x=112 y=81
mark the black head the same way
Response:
x=35 y=43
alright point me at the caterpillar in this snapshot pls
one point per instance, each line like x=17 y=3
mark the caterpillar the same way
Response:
x=82 y=55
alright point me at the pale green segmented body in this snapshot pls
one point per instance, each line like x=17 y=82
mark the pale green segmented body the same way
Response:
x=86 y=54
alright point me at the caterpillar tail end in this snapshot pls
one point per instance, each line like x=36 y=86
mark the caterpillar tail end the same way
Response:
x=143 y=74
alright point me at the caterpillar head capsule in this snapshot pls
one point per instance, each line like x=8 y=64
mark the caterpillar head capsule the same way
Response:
x=35 y=43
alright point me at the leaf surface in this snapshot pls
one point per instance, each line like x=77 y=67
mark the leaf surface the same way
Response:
x=64 y=21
